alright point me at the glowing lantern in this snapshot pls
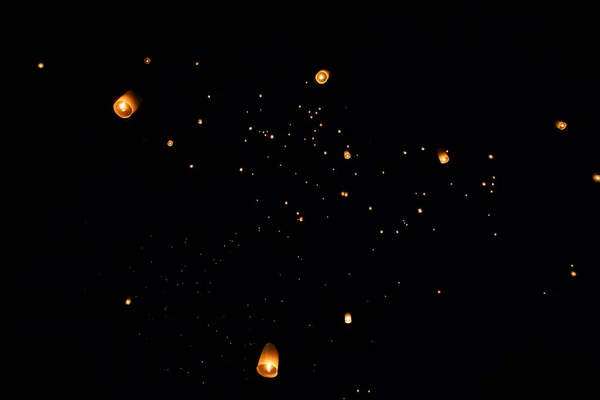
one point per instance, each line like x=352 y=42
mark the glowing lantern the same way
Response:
x=128 y=301
x=268 y=363
x=560 y=125
x=147 y=60
x=443 y=156
x=170 y=143
x=322 y=76
x=200 y=121
x=41 y=65
x=348 y=318
x=127 y=104
x=596 y=177
x=347 y=154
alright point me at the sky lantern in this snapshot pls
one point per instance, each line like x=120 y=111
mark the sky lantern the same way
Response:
x=348 y=318
x=443 y=156
x=128 y=301
x=41 y=65
x=147 y=60
x=562 y=125
x=127 y=104
x=200 y=121
x=268 y=363
x=322 y=76
x=347 y=154
x=596 y=177
x=170 y=143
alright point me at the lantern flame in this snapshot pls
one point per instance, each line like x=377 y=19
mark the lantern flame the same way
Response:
x=127 y=104
x=268 y=363
x=443 y=156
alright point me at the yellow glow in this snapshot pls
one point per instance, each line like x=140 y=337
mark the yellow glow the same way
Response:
x=127 y=104
x=322 y=76
x=560 y=125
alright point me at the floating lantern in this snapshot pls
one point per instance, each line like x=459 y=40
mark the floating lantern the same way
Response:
x=322 y=76
x=443 y=156
x=347 y=154
x=560 y=125
x=200 y=121
x=348 y=318
x=127 y=104
x=170 y=143
x=128 y=301
x=268 y=363
x=596 y=177
x=147 y=60
x=41 y=65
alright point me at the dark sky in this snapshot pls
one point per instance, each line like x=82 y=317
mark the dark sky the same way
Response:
x=107 y=211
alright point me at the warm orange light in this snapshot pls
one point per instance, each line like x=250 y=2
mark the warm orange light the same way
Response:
x=268 y=363
x=170 y=143
x=41 y=65
x=347 y=154
x=147 y=60
x=322 y=76
x=191 y=165
x=596 y=177
x=200 y=121
x=348 y=318
x=127 y=104
x=128 y=301
x=560 y=125
x=443 y=156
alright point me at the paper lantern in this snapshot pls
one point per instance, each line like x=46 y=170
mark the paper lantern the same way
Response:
x=147 y=60
x=322 y=76
x=268 y=363
x=348 y=318
x=596 y=177
x=127 y=104
x=347 y=154
x=40 y=65
x=560 y=125
x=128 y=301
x=170 y=143
x=443 y=156
x=200 y=121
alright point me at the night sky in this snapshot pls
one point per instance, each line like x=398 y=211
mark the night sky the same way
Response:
x=148 y=270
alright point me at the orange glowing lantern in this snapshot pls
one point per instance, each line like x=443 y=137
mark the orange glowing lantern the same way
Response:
x=322 y=76
x=200 y=121
x=147 y=60
x=170 y=143
x=41 y=65
x=128 y=301
x=443 y=156
x=560 y=125
x=127 y=104
x=268 y=363
x=596 y=177
x=347 y=154
x=348 y=318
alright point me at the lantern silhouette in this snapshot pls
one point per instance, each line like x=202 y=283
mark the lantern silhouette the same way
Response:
x=596 y=177
x=347 y=154
x=322 y=76
x=127 y=104
x=268 y=363
x=348 y=318
x=560 y=125
x=443 y=156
